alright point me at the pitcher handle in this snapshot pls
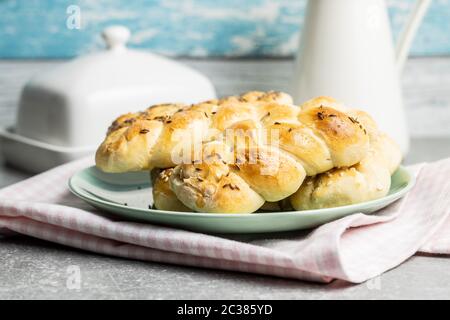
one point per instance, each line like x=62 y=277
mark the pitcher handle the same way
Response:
x=409 y=31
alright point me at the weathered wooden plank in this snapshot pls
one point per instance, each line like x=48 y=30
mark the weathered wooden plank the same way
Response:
x=198 y=28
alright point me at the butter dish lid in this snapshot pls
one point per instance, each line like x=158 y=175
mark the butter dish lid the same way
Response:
x=72 y=105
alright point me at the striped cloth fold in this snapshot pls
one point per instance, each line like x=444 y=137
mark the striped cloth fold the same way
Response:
x=355 y=248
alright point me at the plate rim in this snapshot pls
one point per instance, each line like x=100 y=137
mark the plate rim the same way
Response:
x=394 y=196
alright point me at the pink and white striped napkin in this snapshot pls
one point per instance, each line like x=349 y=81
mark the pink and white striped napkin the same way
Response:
x=354 y=248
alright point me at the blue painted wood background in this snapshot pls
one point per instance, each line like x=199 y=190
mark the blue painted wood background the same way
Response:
x=38 y=28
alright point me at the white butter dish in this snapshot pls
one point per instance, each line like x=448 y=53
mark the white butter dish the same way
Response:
x=64 y=112
x=36 y=156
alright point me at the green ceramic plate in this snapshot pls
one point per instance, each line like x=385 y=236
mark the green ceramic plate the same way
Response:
x=111 y=192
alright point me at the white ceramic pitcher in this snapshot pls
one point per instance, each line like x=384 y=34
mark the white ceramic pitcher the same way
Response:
x=346 y=52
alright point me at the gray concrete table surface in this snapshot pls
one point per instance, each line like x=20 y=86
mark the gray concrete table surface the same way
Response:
x=35 y=269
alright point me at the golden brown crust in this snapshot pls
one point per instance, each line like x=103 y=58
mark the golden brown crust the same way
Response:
x=221 y=183
x=212 y=186
x=346 y=138
x=122 y=149
x=368 y=180
x=273 y=174
x=163 y=196
x=159 y=112
x=131 y=137
x=269 y=96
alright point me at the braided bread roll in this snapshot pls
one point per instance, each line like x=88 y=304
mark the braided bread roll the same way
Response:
x=367 y=180
x=318 y=136
x=312 y=139
x=230 y=182
x=201 y=187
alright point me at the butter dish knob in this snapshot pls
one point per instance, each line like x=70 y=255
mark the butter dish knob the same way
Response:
x=116 y=36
